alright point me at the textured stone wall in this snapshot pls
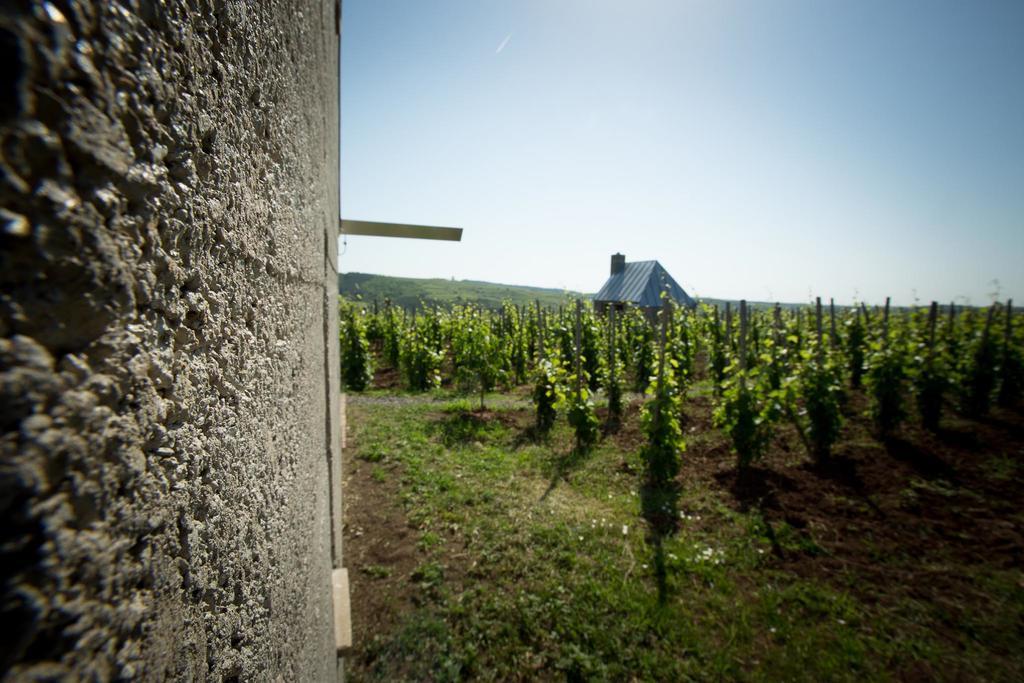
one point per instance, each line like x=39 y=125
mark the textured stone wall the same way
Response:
x=169 y=194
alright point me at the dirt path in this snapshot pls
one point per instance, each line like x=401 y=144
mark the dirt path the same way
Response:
x=380 y=550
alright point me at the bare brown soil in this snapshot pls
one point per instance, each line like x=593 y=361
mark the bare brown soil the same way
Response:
x=905 y=518
x=380 y=546
x=386 y=378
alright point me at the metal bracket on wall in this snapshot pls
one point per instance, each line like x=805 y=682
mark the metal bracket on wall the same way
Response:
x=420 y=232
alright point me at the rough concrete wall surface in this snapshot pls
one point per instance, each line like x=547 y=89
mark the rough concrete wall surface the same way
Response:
x=169 y=194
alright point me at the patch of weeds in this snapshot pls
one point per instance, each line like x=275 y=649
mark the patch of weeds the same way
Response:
x=419 y=650
x=910 y=499
x=936 y=487
x=429 y=578
x=379 y=475
x=696 y=559
x=791 y=539
x=704 y=387
x=1002 y=467
x=463 y=428
x=996 y=621
x=816 y=633
x=374 y=453
x=428 y=540
x=429 y=575
x=458 y=406
x=376 y=571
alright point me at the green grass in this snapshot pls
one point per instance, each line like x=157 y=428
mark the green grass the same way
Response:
x=554 y=579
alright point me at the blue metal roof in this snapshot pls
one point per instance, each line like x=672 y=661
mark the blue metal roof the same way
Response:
x=641 y=284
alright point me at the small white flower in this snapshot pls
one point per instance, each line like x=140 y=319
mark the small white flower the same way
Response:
x=842 y=622
x=772 y=629
x=625 y=529
x=581 y=538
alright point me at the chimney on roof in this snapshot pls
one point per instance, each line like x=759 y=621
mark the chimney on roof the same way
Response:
x=618 y=263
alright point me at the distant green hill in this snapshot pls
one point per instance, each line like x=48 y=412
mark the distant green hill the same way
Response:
x=412 y=292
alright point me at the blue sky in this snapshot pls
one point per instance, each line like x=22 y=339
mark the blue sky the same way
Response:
x=764 y=150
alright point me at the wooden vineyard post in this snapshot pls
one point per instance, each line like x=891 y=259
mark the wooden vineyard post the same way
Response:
x=375 y=307
x=754 y=334
x=933 y=315
x=579 y=325
x=832 y=317
x=671 y=324
x=988 y=323
x=778 y=337
x=864 y=309
x=798 y=314
x=728 y=325
x=540 y=332
x=817 y=318
x=778 y=325
x=1007 y=389
x=885 y=324
x=666 y=308
x=743 y=338
x=611 y=344
x=982 y=399
x=1008 y=332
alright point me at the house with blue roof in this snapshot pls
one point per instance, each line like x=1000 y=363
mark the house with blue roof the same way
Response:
x=640 y=284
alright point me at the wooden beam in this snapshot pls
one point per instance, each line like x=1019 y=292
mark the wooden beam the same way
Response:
x=421 y=232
